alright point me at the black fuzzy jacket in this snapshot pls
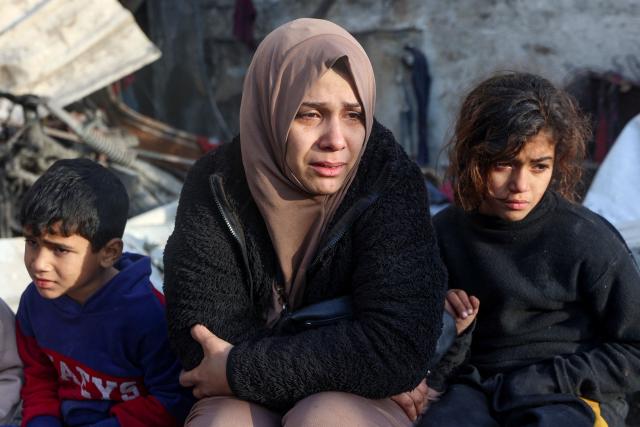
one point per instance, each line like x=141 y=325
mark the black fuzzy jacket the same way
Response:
x=558 y=292
x=380 y=248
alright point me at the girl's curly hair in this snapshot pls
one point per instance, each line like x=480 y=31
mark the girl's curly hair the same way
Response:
x=498 y=117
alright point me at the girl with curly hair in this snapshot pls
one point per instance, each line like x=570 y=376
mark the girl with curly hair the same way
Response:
x=558 y=339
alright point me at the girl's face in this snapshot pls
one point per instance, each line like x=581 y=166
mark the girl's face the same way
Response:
x=326 y=135
x=515 y=187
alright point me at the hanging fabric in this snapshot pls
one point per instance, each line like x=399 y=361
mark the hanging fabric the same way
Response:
x=422 y=86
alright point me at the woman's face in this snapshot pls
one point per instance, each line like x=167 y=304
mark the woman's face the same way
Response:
x=326 y=134
x=515 y=187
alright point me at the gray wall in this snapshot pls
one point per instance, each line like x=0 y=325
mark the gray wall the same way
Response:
x=464 y=41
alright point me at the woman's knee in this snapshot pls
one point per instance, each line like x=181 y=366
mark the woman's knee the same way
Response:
x=333 y=409
x=228 y=412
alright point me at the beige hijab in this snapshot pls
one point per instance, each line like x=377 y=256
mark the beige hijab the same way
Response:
x=285 y=65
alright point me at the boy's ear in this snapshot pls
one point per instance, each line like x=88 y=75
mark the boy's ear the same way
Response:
x=111 y=252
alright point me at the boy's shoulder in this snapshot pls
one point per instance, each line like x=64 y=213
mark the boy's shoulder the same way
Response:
x=131 y=292
x=144 y=307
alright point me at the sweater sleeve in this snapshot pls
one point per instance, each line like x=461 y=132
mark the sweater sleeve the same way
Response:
x=40 y=401
x=10 y=365
x=398 y=286
x=452 y=361
x=167 y=403
x=613 y=366
x=203 y=283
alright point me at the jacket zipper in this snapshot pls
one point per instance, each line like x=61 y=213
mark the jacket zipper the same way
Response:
x=341 y=228
x=215 y=182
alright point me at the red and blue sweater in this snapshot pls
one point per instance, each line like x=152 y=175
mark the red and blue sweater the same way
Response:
x=106 y=363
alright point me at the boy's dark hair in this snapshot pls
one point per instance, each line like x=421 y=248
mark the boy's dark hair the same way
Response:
x=85 y=197
x=498 y=117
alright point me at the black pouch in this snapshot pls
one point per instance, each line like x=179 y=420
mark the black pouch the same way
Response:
x=331 y=311
x=316 y=315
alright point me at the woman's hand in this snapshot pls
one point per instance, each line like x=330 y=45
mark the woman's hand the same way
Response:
x=415 y=401
x=462 y=307
x=209 y=378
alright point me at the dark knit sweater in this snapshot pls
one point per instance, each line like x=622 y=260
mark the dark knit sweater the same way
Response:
x=386 y=259
x=559 y=293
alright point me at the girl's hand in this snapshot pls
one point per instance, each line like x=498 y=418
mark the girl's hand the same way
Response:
x=209 y=378
x=462 y=307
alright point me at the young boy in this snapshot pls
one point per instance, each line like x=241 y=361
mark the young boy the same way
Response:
x=558 y=338
x=91 y=328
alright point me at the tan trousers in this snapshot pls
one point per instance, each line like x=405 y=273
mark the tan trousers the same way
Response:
x=328 y=409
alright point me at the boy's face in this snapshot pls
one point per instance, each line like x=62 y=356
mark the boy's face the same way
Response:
x=60 y=265
x=515 y=187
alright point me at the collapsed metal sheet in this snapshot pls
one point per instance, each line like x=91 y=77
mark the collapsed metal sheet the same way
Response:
x=67 y=49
